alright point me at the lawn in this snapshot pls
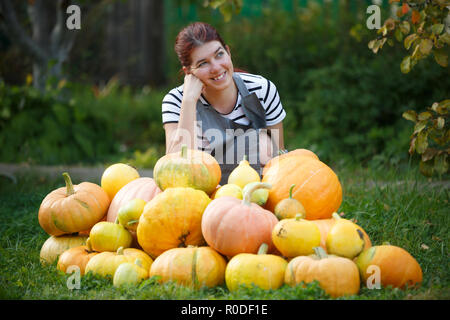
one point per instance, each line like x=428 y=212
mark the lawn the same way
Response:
x=393 y=205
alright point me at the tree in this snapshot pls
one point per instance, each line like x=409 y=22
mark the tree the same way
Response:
x=50 y=42
x=421 y=26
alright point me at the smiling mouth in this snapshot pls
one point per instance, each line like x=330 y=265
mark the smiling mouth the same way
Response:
x=220 y=77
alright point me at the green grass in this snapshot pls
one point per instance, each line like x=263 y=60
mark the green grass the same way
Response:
x=394 y=205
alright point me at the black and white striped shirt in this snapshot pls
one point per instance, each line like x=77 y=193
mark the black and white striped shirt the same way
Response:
x=265 y=90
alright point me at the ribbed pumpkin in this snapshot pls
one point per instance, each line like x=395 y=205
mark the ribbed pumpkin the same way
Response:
x=338 y=276
x=232 y=226
x=53 y=247
x=325 y=226
x=191 y=266
x=188 y=168
x=317 y=187
x=397 y=266
x=141 y=188
x=78 y=256
x=263 y=270
x=282 y=155
x=72 y=208
x=172 y=219
x=106 y=263
x=289 y=208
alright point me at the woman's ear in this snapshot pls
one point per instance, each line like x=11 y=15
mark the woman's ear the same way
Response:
x=228 y=50
x=186 y=70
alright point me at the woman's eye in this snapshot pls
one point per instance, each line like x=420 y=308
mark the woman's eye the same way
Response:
x=201 y=64
x=220 y=54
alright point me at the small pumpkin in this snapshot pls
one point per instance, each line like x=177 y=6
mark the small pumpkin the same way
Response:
x=108 y=236
x=317 y=187
x=188 y=168
x=130 y=213
x=106 y=263
x=232 y=190
x=263 y=270
x=243 y=174
x=258 y=196
x=53 y=247
x=289 y=208
x=172 y=219
x=78 y=256
x=397 y=266
x=232 y=226
x=284 y=154
x=116 y=176
x=129 y=273
x=345 y=238
x=295 y=237
x=72 y=208
x=338 y=276
x=191 y=266
x=325 y=226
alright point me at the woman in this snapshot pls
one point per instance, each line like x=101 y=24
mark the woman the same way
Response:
x=217 y=110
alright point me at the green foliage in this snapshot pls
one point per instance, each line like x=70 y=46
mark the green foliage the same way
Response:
x=431 y=137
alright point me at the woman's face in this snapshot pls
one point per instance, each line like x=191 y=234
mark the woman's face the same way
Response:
x=212 y=64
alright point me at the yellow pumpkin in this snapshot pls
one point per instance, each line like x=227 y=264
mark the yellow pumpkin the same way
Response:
x=191 y=266
x=289 y=207
x=53 y=247
x=116 y=176
x=295 y=237
x=258 y=196
x=129 y=273
x=172 y=219
x=243 y=174
x=231 y=190
x=337 y=276
x=108 y=236
x=345 y=238
x=106 y=263
x=263 y=270
x=130 y=213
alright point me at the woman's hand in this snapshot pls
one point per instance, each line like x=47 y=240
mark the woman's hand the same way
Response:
x=192 y=88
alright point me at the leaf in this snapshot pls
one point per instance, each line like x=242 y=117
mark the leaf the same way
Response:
x=437 y=28
x=420 y=126
x=398 y=35
x=409 y=40
x=445 y=38
x=405 y=27
x=440 y=123
x=425 y=46
x=405 y=66
x=227 y=11
x=424 y=115
x=441 y=57
x=422 y=142
x=426 y=168
x=441 y=164
x=405 y=8
x=412 y=145
x=410 y=115
x=216 y=3
x=415 y=18
x=429 y=154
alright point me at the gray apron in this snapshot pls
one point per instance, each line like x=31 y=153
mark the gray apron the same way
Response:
x=230 y=141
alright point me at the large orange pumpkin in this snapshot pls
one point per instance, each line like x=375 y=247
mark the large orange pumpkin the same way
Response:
x=282 y=155
x=172 y=219
x=73 y=208
x=317 y=187
x=188 y=168
x=232 y=226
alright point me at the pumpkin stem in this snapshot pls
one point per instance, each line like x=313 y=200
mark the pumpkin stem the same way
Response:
x=117 y=220
x=386 y=243
x=336 y=216
x=248 y=193
x=184 y=151
x=69 y=184
x=263 y=248
x=320 y=253
x=298 y=216
x=88 y=245
x=290 y=191
x=138 y=262
x=244 y=159
x=131 y=222
x=120 y=251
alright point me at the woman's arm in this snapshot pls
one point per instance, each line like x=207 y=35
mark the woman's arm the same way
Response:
x=270 y=142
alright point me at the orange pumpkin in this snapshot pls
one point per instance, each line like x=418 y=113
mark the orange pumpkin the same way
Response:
x=282 y=155
x=188 y=168
x=232 y=226
x=172 y=219
x=397 y=267
x=78 y=256
x=317 y=187
x=325 y=226
x=73 y=208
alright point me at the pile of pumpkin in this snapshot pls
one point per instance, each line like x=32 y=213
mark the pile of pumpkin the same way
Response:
x=182 y=226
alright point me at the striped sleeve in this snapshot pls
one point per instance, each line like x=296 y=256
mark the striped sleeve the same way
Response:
x=271 y=102
x=171 y=106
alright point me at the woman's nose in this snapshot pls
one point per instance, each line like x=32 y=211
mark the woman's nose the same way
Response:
x=215 y=66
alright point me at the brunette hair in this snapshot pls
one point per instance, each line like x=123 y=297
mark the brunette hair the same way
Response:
x=193 y=36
